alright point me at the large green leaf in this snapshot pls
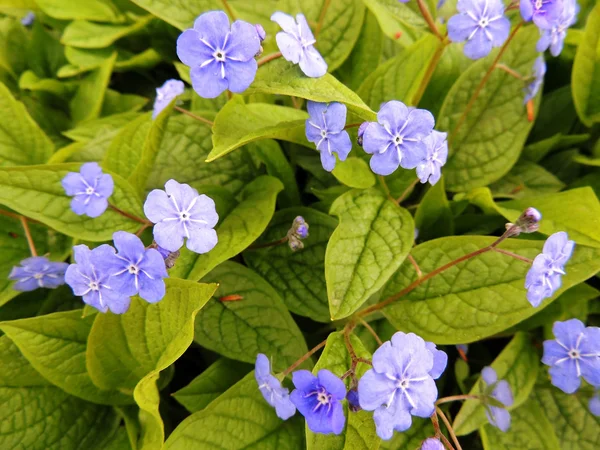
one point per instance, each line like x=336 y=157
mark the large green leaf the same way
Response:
x=256 y=323
x=585 y=81
x=518 y=364
x=84 y=34
x=36 y=192
x=88 y=130
x=15 y=370
x=491 y=135
x=180 y=15
x=299 y=276
x=373 y=238
x=355 y=173
x=526 y=179
x=476 y=298
x=394 y=17
x=100 y=10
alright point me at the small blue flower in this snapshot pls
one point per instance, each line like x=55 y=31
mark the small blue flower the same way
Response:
x=135 y=269
x=575 y=353
x=539 y=70
x=482 y=24
x=270 y=387
x=543 y=12
x=90 y=189
x=93 y=285
x=500 y=391
x=353 y=402
x=397 y=140
x=319 y=400
x=181 y=213
x=28 y=19
x=296 y=43
x=432 y=444
x=594 y=404
x=165 y=94
x=401 y=382
x=553 y=36
x=38 y=272
x=220 y=57
x=430 y=169
x=544 y=277
x=325 y=128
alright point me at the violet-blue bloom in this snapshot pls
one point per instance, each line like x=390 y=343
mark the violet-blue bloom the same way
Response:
x=165 y=94
x=440 y=360
x=396 y=139
x=594 y=404
x=432 y=444
x=325 y=128
x=430 y=169
x=38 y=272
x=539 y=70
x=296 y=43
x=28 y=19
x=353 y=403
x=93 y=285
x=553 y=36
x=179 y=212
x=482 y=24
x=318 y=398
x=90 y=189
x=270 y=387
x=262 y=34
x=543 y=12
x=501 y=391
x=400 y=384
x=544 y=276
x=220 y=57
x=134 y=269
x=574 y=354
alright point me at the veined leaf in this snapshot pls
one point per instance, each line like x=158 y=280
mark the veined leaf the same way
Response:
x=355 y=173
x=100 y=10
x=84 y=34
x=180 y=15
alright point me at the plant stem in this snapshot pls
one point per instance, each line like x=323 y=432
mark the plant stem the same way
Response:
x=407 y=191
x=509 y=71
x=268 y=58
x=438 y=431
x=435 y=59
x=269 y=244
x=198 y=118
x=454 y=398
x=449 y=428
x=16 y=216
x=142 y=229
x=28 y=236
x=427 y=16
x=311 y=352
x=130 y=216
x=353 y=125
x=229 y=10
x=322 y=18
x=513 y=255
x=370 y=329
x=415 y=265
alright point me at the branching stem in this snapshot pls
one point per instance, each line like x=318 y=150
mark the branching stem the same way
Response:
x=130 y=216
x=455 y=398
x=427 y=16
x=449 y=428
x=307 y=355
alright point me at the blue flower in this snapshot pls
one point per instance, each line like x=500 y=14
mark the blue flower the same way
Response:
x=553 y=36
x=539 y=70
x=296 y=43
x=220 y=58
x=543 y=12
x=482 y=24
x=325 y=128
x=500 y=391
x=181 y=213
x=90 y=189
x=93 y=285
x=401 y=383
x=134 y=269
x=38 y=272
x=28 y=19
x=575 y=353
x=271 y=389
x=432 y=444
x=397 y=140
x=594 y=404
x=318 y=398
x=430 y=169
x=164 y=94
x=353 y=402
x=544 y=277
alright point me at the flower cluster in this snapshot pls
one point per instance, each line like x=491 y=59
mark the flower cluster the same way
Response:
x=554 y=29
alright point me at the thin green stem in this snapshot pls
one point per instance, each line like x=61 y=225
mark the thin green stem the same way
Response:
x=427 y=16
x=194 y=116
x=307 y=355
x=28 y=236
x=449 y=428
x=455 y=398
x=509 y=71
x=268 y=58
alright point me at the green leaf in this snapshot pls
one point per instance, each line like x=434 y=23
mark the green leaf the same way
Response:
x=434 y=217
x=22 y=142
x=476 y=298
x=55 y=345
x=238 y=124
x=211 y=383
x=354 y=173
x=394 y=17
x=284 y=78
x=237 y=230
x=526 y=179
x=15 y=370
x=84 y=34
x=586 y=72
x=587 y=161
x=491 y=135
x=90 y=129
x=180 y=15
x=238 y=419
x=257 y=323
x=122 y=349
x=36 y=192
x=100 y=10
x=518 y=364
x=116 y=103
x=373 y=238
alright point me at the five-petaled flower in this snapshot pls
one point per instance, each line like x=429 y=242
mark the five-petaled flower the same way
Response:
x=574 y=354
x=430 y=169
x=499 y=390
x=397 y=138
x=401 y=382
x=165 y=94
x=544 y=13
x=220 y=58
x=482 y=24
x=432 y=444
x=325 y=127
x=553 y=36
x=134 y=269
x=38 y=272
x=270 y=387
x=539 y=70
x=544 y=276
x=181 y=213
x=92 y=284
x=318 y=398
x=296 y=43
x=90 y=189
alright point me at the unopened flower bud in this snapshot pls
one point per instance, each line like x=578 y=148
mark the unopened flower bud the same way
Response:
x=361 y=130
x=528 y=222
x=298 y=232
x=169 y=257
x=262 y=34
x=352 y=398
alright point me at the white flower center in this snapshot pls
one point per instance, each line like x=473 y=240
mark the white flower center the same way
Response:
x=38 y=276
x=323 y=133
x=538 y=4
x=89 y=190
x=132 y=269
x=484 y=22
x=398 y=140
x=574 y=354
x=94 y=286
x=402 y=384
x=219 y=55
x=323 y=398
x=184 y=215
